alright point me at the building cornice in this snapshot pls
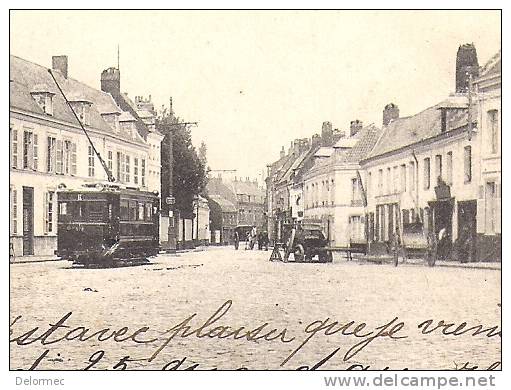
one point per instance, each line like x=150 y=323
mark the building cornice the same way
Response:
x=451 y=135
x=55 y=123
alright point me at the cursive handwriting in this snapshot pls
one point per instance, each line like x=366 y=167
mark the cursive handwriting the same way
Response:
x=260 y=332
x=216 y=326
x=330 y=328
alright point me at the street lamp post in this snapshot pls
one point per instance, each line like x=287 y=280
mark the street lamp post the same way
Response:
x=196 y=199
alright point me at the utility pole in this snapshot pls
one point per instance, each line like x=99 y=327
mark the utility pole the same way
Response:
x=469 y=113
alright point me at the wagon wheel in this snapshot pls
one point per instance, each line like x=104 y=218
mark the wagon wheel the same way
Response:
x=299 y=253
x=432 y=250
x=395 y=250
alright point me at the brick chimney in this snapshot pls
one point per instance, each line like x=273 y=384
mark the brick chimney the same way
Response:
x=466 y=65
x=355 y=127
x=282 y=153
x=111 y=81
x=59 y=63
x=327 y=134
x=390 y=113
x=316 y=140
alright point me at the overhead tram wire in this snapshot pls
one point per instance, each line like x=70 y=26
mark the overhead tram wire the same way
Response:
x=110 y=177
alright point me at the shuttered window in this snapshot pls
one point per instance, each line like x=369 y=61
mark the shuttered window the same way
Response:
x=427 y=173
x=66 y=157
x=91 y=161
x=59 y=155
x=143 y=173
x=493 y=128
x=135 y=170
x=73 y=158
x=30 y=150
x=51 y=154
x=127 y=172
x=14 y=147
x=14 y=211
x=49 y=223
x=35 y=165
x=467 y=159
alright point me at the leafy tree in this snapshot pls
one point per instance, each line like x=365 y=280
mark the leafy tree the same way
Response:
x=183 y=173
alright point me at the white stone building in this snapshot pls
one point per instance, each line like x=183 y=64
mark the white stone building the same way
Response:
x=489 y=204
x=424 y=167
x=333 y=193
x=48 y=148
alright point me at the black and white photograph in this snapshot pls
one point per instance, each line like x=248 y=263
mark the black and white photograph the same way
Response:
x=256 y=190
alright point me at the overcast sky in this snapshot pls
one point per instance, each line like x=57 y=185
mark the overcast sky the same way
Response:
x=256 y=80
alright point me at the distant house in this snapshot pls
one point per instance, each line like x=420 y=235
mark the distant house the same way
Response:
x=223 y=216
x=333 y=191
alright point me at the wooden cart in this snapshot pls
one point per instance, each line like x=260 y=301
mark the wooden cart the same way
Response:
x=415 y=242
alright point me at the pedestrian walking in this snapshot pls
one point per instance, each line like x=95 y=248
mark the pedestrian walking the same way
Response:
x=236 y=240
x=253 y=237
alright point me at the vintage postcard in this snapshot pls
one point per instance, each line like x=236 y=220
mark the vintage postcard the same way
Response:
x=255 y=190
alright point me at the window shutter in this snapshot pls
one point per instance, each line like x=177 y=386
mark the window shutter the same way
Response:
x=36 y=152
x=45 y=200
x=59 y=157
x=14 y=148
x=73 y=159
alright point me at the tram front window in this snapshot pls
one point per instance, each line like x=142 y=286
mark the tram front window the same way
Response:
x=84 y=211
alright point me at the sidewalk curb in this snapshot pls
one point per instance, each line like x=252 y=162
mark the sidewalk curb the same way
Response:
x=385 y=261
x=35 y=261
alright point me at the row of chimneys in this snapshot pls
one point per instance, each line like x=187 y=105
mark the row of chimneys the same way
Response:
x=110 y=78
x=390 y=113
x=247 y=179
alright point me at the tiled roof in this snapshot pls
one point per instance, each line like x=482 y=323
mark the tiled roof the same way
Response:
x=127 y=105
x=216 y=186
x=367 y=139
x=225 y=205
x=493 y=66
x=295 y=165
x=306 y=164
x=363 y=142
x=284 y=169
x=247 y=188
x=26 y=77
x=405 y=131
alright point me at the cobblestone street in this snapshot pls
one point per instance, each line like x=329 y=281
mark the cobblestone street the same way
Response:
x=162 y=294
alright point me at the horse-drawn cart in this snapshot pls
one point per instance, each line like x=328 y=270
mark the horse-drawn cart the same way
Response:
x=415 y=242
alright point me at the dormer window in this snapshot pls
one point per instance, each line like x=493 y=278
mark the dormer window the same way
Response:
x=82 y=108
x=112 y=119
x=43 y=98
x=127 y=124
x=128 y=127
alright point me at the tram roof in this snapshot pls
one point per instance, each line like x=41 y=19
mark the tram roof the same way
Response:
x=101 y=187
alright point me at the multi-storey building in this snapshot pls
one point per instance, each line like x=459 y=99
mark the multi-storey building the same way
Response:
x=488 y=86
x=442 y=167
x=333 y=192
x=48 y=148
x=249 y=201
x=284 y=182
x=424 y=168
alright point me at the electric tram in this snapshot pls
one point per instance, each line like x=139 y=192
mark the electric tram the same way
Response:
x=106 y=224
